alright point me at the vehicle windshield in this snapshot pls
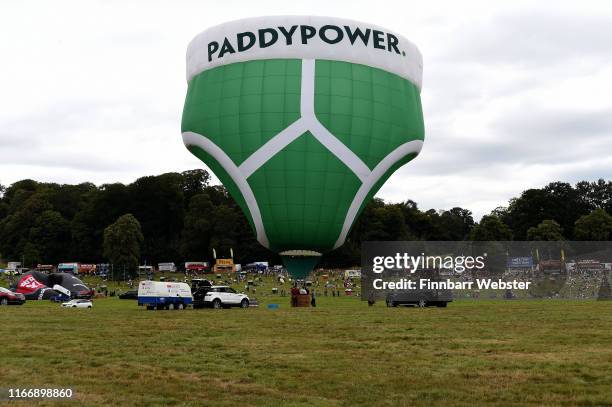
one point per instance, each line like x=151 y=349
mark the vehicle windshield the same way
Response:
x=5 y=290
x=230 y=290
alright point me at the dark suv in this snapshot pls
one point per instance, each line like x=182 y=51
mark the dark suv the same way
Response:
x=421 y=298
x=199 y=288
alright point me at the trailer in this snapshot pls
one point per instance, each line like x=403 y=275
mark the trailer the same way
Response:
x=164 y=295
x=163 y=267
x=197 y=267
x=72 y=268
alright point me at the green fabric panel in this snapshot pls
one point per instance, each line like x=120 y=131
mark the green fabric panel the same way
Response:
x=225 y=179
x=370 y=110
x=299 y=267
x=241 y=106
x=304 y=193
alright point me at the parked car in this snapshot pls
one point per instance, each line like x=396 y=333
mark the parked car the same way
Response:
x=220 y=296
x=199 y=288
x=78 y=304
x=129 y=295
x=60 y=298
x=420 y=298
x=8 y=297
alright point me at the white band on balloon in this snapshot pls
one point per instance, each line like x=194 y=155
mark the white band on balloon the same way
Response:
x=304 y=37
x=307 y=122
x=411 y=147
x=198 y=140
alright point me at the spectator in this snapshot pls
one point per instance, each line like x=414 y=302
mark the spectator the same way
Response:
x=295 y=291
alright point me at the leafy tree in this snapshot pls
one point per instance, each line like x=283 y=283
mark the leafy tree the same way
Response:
x=455 y=224
x=158 y=203
x=195 y=243
x=597 y=225
x=99 y=208
x=15 y=228
x=557 y=201
x=491 y=228
x=224 y=230
x=122 y=242
x=30 y=255
x=547 y=230
x=194 y=182
x=50 y=237
x=596 y=194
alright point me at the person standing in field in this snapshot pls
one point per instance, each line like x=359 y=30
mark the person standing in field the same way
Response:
x=295 y=291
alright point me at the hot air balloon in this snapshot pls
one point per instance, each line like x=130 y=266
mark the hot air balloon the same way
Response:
x=302 y=119
x=41 y=286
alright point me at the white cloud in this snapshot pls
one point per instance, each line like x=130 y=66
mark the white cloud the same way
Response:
x=514 y=96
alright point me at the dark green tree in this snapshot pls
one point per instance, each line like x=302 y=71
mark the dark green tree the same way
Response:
x=122 y=241
x=597 y=225
x=547 y=230
x=224 y=230
x=158 y=203
x=197 y=233
x=50 y=237
x=194 y=182
x=455 y=224
x=491 y=228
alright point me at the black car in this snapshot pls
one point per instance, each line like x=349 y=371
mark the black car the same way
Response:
x=420 y=298
x=199 y=288
x=129 y=295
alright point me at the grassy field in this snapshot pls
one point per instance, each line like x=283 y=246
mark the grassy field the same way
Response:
x=340 y=353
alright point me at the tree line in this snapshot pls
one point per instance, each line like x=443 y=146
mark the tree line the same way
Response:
x=181 y=217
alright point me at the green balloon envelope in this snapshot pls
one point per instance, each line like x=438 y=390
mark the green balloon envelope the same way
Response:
x=302 y=135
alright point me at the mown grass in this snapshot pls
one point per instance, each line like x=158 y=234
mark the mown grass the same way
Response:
x=341 y=353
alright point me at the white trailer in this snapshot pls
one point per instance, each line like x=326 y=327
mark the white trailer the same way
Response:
x=164 y=295
x=163 y=267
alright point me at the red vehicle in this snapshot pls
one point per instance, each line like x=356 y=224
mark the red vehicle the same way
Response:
x=197 y=267
x=8 y=297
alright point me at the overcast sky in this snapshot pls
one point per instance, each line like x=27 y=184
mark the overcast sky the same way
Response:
x=514 y=96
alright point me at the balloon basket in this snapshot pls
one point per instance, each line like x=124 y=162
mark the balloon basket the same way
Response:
x=301 y=300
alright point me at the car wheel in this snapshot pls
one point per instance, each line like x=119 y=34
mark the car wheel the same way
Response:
x=216 y=303
x=441 y=305
x=180 y=306
x=89 y=306
x=171 y=306
x=244 y=303
x=422 y=303
x=4 y=301
x=74 y=306
x=150 y=307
